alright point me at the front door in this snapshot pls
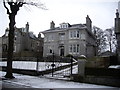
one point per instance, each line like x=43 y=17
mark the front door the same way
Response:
x=62 y=52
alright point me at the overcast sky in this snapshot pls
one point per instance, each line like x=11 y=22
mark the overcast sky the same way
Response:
x=101 y=12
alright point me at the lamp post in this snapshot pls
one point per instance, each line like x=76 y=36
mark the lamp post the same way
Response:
x=71 y=59
x=37 y=65
x=53 y=65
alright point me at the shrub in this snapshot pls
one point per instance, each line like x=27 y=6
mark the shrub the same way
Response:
x=69 y=55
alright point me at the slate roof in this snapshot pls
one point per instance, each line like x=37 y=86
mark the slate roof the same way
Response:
x=80 y=26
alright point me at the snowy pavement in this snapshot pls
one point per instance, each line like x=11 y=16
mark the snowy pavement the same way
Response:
x=42 y=82
x=7 y=84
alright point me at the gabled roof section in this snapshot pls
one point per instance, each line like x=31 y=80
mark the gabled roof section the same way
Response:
x=80 y=26
x=31 y=35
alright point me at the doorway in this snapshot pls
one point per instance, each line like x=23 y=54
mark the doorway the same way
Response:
x=61 y=51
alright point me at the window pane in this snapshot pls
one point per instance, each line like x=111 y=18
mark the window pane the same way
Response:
x=77 y=47
x=74 y=33
x=70 y=48
x=77 y=34
x=74 y=48
x=50 y=51
x=71 y=34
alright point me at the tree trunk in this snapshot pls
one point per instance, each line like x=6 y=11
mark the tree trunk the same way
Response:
x=110 y=45
x=110 y=48
x=10 y=46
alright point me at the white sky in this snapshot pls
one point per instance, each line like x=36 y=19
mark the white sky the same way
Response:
x=101 y=12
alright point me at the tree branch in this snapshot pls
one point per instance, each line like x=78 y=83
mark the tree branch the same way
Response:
x=10 y=3
x=20 y=4
x=39 y=5
x=8 y=12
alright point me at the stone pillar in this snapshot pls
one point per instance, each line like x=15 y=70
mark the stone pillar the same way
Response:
x=79 y=77
x=117 y=32
x=81 y=66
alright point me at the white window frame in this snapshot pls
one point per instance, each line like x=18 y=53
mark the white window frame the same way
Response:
x=77 y=48
x=70 y=48
x=78 y=34
x=74 y=34
x=74 y=48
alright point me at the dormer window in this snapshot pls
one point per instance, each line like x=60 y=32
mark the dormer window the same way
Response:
x=64 y=25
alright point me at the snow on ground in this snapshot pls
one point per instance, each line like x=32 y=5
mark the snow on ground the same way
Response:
x=46 y=81
x=44 y=66
x=65 y=72
x=42 y=82
x=31 y=65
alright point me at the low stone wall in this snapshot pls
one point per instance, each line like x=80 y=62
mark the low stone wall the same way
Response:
x=98 y=62
x=102 y=76
x=100 y=80
x=110 y=81
x=102 y=72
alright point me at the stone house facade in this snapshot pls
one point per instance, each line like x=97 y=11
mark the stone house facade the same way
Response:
x=76 y=39
x=26 y=44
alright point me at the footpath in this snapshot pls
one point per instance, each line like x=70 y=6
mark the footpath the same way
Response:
x=43 y=83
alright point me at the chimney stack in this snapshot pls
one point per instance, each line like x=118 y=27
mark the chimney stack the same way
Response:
x=27 y=27
x=52 y=25
x=88 y=23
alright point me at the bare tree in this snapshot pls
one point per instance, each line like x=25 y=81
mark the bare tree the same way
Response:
x=101 y=40
x=111 y=39
x=12 y=7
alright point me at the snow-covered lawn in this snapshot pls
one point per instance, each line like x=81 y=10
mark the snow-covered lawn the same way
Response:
x=32 y=65
x=43 y=66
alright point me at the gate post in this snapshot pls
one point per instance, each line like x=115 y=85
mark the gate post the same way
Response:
x=53 y=65
x=71 y=59
x=81 y=65
x=37 y=62
x=37 y=69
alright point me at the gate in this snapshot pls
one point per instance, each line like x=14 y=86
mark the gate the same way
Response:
x=59 y=66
